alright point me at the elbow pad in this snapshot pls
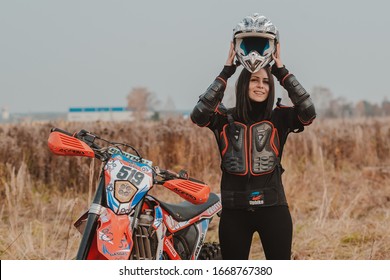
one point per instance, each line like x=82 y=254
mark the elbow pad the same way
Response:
x=306 y=111
x=208 y=103
x=213 y=95
x=300 y=98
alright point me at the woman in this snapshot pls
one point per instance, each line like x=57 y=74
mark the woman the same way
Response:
x=251 y=137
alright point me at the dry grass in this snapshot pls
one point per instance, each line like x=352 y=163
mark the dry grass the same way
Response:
x=337 y=183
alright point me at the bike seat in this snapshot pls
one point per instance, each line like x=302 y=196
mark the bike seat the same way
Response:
x=185 y=210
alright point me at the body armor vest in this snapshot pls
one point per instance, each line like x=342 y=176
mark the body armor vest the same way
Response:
x=253 y=149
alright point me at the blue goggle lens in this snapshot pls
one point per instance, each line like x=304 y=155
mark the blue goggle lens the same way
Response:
x=254 y=44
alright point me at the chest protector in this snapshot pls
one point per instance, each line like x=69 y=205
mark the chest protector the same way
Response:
x=253 y=149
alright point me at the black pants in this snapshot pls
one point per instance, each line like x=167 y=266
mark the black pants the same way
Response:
x=274 y=225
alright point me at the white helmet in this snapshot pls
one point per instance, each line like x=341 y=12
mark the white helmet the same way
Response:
x=255 y=39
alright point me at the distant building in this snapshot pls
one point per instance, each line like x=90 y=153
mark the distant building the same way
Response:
x=85 y=114
x=90 y=114
x=4 y=114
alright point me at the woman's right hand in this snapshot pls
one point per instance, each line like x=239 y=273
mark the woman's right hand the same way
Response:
x=231 y=56
x=276 y=57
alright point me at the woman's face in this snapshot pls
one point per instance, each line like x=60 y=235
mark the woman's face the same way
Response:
x=259 y=86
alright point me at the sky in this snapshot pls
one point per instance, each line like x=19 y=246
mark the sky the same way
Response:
x=92 y=53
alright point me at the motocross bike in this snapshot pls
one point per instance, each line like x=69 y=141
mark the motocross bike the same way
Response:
x=124 y=221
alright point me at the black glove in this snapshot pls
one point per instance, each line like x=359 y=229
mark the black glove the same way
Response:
x=227 y=72
x=279 y=73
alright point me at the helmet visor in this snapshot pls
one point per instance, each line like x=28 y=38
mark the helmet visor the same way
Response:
x=262 y=46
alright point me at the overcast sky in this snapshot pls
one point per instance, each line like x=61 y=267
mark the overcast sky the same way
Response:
x=59 y=54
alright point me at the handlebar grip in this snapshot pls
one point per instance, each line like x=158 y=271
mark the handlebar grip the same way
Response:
x=62 y=131
x=196 y=180
x=182 y=175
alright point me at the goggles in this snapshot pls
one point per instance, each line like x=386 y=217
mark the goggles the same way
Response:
x=263 y=46
x=254 y=52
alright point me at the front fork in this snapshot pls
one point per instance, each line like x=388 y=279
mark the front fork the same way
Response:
x=92 y=221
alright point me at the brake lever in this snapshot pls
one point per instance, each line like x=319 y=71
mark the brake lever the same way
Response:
x=164 y=174
x=88 y=138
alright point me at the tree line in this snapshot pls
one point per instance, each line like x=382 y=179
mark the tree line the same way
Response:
x=328 y=106
x=141 y=101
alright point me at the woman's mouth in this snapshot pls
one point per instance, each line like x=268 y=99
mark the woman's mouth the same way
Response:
x=259 y=92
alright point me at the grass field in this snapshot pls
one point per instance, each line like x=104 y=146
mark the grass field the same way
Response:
x=337 y=183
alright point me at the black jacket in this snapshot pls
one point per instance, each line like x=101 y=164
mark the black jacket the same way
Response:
x=241 y=186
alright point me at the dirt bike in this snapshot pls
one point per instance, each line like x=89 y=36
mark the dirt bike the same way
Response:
x=124 y=221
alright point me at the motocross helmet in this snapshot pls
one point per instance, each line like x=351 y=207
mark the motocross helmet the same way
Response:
x=255 y=39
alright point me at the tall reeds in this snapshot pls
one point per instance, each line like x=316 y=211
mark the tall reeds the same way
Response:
x=337 y=183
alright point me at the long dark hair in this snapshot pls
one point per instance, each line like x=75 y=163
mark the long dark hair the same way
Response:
x=243 y=105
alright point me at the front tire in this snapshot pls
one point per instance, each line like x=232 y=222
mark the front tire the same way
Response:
x=210 y=251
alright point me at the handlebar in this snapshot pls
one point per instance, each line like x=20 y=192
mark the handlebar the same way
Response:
x=170 y=175
x=83 y=135
x=88 y=138
x=61 y=131
x=104 y=154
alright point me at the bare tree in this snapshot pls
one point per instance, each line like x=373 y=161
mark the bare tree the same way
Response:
x=169 y=109
x=142 y=102
x=386 y=107
x=366 y=109
x=339 y=108
x=322 y=98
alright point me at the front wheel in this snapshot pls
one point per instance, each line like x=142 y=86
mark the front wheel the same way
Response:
x=210 y=251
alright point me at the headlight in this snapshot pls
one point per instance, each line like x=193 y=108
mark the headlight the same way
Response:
x=124 y=191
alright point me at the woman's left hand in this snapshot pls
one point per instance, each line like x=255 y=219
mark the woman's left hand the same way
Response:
x=231 y=55
x=276 y=57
